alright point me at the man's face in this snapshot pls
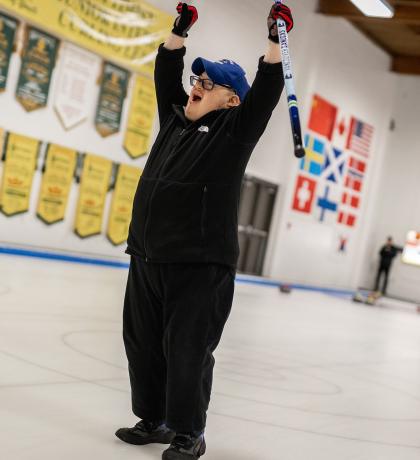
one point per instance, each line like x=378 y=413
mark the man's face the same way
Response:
x=202 y=101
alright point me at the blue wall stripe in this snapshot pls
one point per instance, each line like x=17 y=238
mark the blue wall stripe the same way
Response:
x=243 y=279
x=62 y=257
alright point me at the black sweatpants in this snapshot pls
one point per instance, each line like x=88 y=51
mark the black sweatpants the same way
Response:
x=383 y=269
x=174 y=315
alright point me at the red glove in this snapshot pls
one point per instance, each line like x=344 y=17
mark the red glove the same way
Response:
x=188 y=15
x=278 y=11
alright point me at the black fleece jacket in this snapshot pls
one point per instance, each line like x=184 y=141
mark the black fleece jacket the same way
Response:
x=186 y=205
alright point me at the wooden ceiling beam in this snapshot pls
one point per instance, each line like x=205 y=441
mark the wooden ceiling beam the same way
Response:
x=406 y=64
x=404 y=13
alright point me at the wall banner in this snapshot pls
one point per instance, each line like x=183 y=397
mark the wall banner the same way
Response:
x=18 y=171
x=122 y=203
x=57 y=179
x=114 y=83
x=8 y=28
x=94 y=186
x=38 y=62
x=125 y=31
x=76 y=83
x=141 y=117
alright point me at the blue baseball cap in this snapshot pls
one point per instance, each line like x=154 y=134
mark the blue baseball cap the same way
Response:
x=224 y=72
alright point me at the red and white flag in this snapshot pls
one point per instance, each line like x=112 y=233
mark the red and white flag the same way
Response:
x=353 y=181
x=346 y=218
x=341 y=130
x=304 y=194
x=350 y=199
x=357 y=165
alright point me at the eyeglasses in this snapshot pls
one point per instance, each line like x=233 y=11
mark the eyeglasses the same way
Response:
x=207 y=84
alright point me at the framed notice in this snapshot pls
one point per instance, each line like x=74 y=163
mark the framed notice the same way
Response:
x=411 y=252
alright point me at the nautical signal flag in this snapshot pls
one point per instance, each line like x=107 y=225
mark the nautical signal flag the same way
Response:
x=350 y=199
x=334 y=165
x=346 y=219
x=360 y=137
x=304 y=194
x=354 y=181
x=326 y=203
x=323 y=116
x=358 y=165
x=313 y=161
x=341 y=130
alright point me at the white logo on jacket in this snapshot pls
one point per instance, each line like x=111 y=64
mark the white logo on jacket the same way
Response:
x=203 y=129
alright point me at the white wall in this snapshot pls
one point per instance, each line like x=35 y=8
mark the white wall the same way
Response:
x=43 y=124
x=234 y=29
x=348 y=70
x=397 y=203
x=331 y=58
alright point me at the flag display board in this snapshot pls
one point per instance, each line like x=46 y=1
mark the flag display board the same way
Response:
x=330 y=182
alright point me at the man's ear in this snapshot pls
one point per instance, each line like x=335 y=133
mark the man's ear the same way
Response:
x=233 y=101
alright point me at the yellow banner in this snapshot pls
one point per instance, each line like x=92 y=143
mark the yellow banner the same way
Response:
x=18 y=172
x=94 y=186
x=122 y=203
x=141 y=117
x=56 y=183
x=1 y=140
x=127 y=32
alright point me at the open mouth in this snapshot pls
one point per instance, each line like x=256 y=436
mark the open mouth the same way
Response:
x=196 y=98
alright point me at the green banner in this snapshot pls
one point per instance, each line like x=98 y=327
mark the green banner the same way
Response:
x=114 y=83
x=8 y=28
x=38 y=60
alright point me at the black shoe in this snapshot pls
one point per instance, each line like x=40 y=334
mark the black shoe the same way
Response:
x=146 y=433
x=185 y=447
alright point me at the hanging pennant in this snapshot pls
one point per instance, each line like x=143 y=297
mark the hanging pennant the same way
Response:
x=114 y=82
x=8 y=28
x=2 y=136
x=94 y=186
x=18 y=171
x=76 y=83
x=122 y=203
x=38 y=60
x=57 y=179
x=141 y=117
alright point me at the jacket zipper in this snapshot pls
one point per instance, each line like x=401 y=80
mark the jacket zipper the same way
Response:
x=147 y=259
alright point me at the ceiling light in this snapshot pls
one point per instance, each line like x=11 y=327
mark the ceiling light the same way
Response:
x=375 y=8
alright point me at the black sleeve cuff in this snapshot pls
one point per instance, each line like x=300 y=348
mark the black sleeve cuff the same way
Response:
x=171 y=54
x=270 y=68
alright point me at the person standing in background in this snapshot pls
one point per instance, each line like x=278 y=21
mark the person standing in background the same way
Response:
x=387 y=255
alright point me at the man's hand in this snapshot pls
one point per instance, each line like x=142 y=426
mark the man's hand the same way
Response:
x=188 y=15
x=278 y=12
